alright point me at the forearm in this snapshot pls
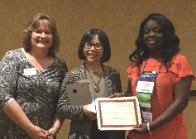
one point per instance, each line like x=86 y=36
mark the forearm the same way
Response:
x=58 y=121
x=16 y=114
x=70 y=112
x=65 y=110
x=181 y=97
x=171 y=112
x=128 y=92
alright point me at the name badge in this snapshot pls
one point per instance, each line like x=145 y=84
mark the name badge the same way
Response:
x=146 y=81
x=30 y=71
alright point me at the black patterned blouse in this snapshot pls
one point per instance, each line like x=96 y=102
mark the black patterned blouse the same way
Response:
x=35 y=91
x=81 y=125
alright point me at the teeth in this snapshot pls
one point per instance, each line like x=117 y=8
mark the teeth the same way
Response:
x=92 y=55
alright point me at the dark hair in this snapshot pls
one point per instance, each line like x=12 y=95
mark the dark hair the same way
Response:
x=171 y=41
x=33 y=24
x=103 y=38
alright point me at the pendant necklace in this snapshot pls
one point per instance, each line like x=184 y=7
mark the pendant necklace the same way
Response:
x=96 y=85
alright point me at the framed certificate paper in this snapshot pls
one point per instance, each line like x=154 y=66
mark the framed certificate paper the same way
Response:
x=122 y=113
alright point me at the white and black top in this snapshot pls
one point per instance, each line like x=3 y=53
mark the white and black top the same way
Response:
x=81 y=125
x=36 y=94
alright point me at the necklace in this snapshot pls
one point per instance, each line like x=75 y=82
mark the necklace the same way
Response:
x=96 y=85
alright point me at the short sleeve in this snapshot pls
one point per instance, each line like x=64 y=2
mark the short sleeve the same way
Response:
x=132 y=70
x=8 y=79
x=181 y=67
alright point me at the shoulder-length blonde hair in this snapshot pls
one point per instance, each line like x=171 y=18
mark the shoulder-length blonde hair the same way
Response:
x=33 y=24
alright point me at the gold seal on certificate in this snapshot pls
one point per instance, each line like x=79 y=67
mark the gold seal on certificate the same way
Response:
x=121 y=113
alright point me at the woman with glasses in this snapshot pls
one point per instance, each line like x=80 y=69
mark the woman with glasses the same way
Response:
x=94 y=49
x=30 y=79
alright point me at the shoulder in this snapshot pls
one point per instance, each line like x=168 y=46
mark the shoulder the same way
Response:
x=179 y=59
x=76 y=74
x=77 y=70
x=60 y=63
x=133 y=67
x=110 y=70
x=13 y=55
x=180 y=66
x=12 y=60
x=59 y=60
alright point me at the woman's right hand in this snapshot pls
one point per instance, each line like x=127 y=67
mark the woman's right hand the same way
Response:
x=37 y=133
x=116 y=95
x=89 y=114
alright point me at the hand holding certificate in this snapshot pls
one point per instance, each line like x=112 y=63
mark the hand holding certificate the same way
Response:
x=118 y=113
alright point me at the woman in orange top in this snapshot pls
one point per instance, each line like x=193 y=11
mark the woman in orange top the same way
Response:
x=157 y=50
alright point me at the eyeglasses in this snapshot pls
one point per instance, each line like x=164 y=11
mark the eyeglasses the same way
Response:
x=97 y=46
x=39 y=32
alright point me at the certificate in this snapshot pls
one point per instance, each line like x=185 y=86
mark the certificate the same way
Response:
x=122 y=113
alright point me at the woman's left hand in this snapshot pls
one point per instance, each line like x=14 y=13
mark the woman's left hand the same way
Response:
x=52 y=132
x=142 y=129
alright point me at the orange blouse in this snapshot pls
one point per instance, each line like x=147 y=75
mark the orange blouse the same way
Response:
x=163 y=96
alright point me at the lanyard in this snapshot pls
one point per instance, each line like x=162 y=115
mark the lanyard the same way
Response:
x=144 y=89
x=147 y=79
x=159 y=66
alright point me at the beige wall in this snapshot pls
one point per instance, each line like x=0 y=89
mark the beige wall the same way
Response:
x=120 y=19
